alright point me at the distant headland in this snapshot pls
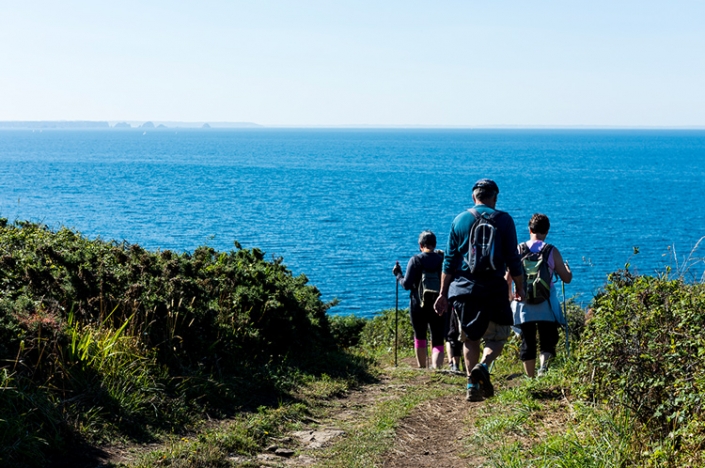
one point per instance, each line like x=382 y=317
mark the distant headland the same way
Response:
x=86 y=124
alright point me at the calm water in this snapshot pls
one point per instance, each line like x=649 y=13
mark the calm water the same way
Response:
x=341 y=206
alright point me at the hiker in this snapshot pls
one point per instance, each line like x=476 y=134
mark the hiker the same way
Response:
x=481 y=246
x=422 y=279
x=540 y=311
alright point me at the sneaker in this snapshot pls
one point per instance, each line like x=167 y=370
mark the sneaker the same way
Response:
x=454 y=368
x=474 y=393
x=542 y=371
x=480 y=375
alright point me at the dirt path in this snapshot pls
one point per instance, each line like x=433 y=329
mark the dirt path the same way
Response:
x=432 y=435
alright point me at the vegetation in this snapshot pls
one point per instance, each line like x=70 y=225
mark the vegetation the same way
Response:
x=630 y=395
x=217 y=354
x=642 y=356
x=103 y=340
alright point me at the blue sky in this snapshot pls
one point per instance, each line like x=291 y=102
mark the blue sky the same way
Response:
x=449 y=63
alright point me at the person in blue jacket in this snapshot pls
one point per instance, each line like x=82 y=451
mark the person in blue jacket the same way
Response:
x=479 y=299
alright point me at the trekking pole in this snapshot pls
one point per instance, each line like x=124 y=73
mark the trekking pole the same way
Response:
x=565 y=317
x=396 y=321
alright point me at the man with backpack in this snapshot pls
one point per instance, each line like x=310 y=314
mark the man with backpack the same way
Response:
x=423 y=280
x=481 y=248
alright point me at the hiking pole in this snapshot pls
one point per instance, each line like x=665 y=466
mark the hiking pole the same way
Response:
x=565 y=317
x=396 y=321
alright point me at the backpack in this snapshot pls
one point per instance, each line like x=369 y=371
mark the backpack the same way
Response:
x=537 y=276
x=429 y=286
x=483 y=235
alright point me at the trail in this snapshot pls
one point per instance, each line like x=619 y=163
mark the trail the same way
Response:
x=434 y=434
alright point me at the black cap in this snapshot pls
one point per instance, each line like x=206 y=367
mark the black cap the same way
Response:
x=486 y=184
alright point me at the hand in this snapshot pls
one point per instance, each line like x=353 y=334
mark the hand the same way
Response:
x=441 y=305
x=397 y=269
x=519 y=294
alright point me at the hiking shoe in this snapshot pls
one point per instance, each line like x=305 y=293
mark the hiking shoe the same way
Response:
x=480 y=375
x=474 y=393
x=454 y=368
x=542 y=371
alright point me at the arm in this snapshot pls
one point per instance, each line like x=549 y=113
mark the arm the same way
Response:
x=508 y=279
x=562 y=268
x=407 y=281
x=519 y=292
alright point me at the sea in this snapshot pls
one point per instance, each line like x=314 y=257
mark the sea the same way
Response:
x=341 y=206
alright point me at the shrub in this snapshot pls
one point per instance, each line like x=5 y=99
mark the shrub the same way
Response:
x=346 y=329
x=379 y=331
x=98 y=338
x=642 y=351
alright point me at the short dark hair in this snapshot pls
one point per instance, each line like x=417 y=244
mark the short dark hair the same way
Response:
x=539 y=224
x=427 y=239
x=484 y=194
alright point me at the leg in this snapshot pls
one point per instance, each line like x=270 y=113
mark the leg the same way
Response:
x=527 y=352
x=471 y=353
x=420 y=347
x=495 y=337
x=492 y=351
x=436 y=323
x=473 y=325
x=548 y=338
x=420 y=329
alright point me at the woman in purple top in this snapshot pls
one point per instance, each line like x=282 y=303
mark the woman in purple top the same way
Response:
x=545 y=316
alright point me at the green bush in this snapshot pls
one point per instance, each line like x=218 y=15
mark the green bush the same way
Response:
x=98 y=338
x=379 y=331
x=642 y=352
x=207 y=309
x=346 y=329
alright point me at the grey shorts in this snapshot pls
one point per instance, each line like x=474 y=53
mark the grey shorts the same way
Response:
x=498 y=333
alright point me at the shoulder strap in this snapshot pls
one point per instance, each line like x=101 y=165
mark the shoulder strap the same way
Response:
x=523 y=249
x=546 y=249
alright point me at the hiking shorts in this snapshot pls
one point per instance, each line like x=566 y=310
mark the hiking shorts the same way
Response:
x=476 y=312
x=497 y=332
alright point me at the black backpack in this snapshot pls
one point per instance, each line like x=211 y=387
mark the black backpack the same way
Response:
x=483 y=237
x=430 y=285
x=537 y=276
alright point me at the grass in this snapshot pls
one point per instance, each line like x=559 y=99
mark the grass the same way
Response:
x=535 y=424
x=219 y=445
x=215 y=355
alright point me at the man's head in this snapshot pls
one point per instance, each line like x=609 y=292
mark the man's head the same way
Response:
x=539 y=224
x=485 y=191
x=427 y=239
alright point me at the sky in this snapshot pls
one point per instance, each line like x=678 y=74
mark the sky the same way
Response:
x=338 y=63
